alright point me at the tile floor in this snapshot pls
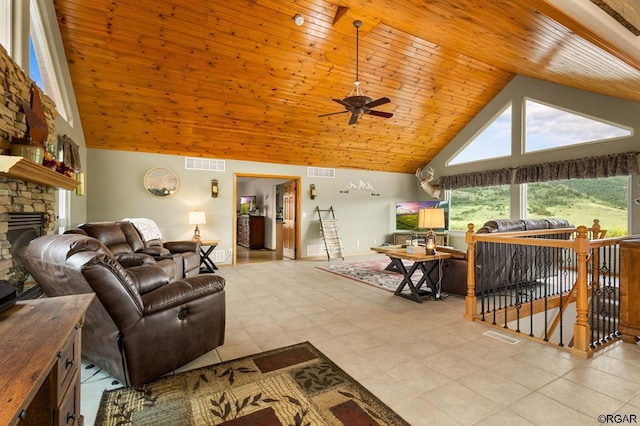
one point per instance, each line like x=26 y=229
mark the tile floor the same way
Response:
x=423 y=360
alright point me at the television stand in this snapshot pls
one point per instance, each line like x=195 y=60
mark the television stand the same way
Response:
x=401 y=237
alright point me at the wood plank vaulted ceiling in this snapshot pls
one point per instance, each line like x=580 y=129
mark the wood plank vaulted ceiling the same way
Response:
x=239 y=80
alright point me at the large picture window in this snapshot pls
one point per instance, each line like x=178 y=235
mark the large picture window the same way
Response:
x=478 y=205
x=582 y=200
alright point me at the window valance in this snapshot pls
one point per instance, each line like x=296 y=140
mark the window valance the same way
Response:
x=484 y=178
x=584 y=168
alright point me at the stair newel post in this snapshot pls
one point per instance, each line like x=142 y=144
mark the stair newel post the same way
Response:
x=471 y=305
x=581 y=331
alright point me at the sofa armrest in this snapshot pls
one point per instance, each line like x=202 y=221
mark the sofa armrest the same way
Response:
x=129 y=260
x=179 y=292
x=182 y=246
x=156 y=252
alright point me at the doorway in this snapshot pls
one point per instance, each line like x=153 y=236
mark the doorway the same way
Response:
x=277 y=224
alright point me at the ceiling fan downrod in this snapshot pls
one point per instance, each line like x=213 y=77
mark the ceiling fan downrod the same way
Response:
x=356 y=84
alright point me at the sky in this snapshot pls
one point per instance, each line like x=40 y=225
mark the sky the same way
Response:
x=545 y=128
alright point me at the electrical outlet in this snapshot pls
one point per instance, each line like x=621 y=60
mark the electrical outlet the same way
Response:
x=375 y=243
x=358 y=245
x=230 y=252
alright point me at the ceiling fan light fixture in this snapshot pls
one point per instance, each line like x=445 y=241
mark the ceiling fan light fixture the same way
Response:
x=298 y=19
x=357 y=102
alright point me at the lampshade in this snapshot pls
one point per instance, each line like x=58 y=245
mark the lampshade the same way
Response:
x=197 y=218
x=431 y=218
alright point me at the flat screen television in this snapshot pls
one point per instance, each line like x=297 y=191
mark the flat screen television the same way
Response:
x=407 y=214
x=247 y=204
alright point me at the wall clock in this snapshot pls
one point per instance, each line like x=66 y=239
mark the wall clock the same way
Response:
x=161 y=182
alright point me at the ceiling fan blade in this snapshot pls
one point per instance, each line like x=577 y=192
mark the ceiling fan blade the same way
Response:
x=377 y=102
x=354 y=118
x=341 y=102
x=381 y=114
x=332 y=113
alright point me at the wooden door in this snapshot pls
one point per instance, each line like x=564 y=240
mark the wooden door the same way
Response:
x=289 y=217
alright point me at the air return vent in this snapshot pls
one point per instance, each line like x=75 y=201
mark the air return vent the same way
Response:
x=315 y=250
x=195 y=163
x=321 y=172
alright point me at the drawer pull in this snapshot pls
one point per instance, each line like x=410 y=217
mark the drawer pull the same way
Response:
x=69 y=363
x=71 y=416
x=22 y=415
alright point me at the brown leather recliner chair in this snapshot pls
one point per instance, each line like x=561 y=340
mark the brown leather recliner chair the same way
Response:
x=141 y=325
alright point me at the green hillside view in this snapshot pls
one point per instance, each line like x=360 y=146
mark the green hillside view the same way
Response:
x=577 y=200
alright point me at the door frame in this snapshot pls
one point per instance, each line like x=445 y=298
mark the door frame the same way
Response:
x=298 y=227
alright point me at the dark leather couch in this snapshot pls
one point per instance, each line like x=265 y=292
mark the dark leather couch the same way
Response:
x=179 y=259
x=504 y=271
x=141 y=325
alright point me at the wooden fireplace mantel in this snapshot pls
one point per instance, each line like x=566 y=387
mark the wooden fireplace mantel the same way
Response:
x=21 y=168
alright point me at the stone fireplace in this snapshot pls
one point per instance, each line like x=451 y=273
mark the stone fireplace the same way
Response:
x=26 y=188
x=28 y=211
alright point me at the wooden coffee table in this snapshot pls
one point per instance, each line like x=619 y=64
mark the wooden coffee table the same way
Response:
x=423 y=262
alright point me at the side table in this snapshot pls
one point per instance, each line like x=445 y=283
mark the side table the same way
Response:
x=420 y=262
x=206 y=264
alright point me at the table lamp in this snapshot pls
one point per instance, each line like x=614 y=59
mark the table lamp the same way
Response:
x=197 y=218
x=431 y=218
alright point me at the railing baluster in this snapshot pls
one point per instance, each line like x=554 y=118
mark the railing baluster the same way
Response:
x=543 y=271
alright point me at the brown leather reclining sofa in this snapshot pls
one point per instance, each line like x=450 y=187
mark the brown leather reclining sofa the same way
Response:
x=454 y=269
x=179 y=259
x=142 y=324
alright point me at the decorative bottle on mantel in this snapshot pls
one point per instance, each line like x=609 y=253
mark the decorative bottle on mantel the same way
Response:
x=49 y=157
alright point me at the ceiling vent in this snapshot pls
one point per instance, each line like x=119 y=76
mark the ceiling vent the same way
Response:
x=195 y=163
x=321 y=172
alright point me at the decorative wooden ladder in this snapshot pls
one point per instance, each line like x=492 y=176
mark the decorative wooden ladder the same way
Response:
x=330 y=235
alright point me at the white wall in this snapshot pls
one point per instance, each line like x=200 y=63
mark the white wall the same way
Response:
x=115 y=191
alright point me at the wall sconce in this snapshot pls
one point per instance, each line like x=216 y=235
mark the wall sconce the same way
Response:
x=214 y=188
x=312 y=191
x=79 y=177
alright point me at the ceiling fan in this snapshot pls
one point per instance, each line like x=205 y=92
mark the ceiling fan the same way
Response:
x=357 y=102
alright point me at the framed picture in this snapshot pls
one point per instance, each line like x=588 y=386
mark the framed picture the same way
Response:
x=161 y=182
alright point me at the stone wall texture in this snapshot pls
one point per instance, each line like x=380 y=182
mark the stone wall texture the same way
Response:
x=16 y=195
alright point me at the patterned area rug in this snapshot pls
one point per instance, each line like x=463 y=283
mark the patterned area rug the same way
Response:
x=372 y=273
x=295 y=385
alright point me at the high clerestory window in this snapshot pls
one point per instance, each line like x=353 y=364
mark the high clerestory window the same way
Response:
x=545 y=127
x=41 y=65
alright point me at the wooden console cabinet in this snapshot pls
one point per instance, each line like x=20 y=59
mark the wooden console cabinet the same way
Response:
x=40 y=361
x=251 y=231
x=400 y=238
x=630 y=290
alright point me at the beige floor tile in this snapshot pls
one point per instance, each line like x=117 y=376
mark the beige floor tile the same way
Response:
x=423 y=359
x=418 y=377
x=461 y=403
x=608 y=384
x=494 y=387
x=504 y=418
x=523 y=373
x=544 y=411
x=419 y=412
x=581 y=398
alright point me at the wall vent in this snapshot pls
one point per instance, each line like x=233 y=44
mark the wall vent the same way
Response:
x=321 y=172
x=218 y=256
x=316 y=251
x=195 y=163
